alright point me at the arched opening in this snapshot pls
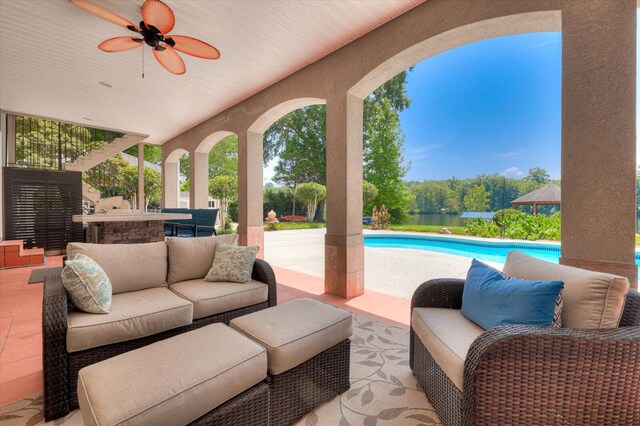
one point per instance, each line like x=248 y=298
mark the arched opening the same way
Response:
x=482 y=129
x=275 y=140
x=175 y=173
x=215 y=177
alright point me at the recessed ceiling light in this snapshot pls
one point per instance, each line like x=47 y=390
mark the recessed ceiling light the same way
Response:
x=105 y=84
x=87 y=118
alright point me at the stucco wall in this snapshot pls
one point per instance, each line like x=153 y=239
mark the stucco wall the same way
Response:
x=598 y=113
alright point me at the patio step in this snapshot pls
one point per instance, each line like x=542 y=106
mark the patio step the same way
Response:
x=97 y=156
x=14 y=255
x=89 y=193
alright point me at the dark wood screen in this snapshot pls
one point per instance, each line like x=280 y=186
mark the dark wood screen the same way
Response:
x=38 y=205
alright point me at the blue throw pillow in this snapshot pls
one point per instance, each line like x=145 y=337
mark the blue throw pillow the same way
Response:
x=490 y=299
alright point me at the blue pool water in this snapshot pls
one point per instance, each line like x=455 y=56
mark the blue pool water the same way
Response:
x=492 y=251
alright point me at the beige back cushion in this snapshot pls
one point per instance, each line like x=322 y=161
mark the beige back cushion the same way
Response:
x=130 y=267
x=591 y=299
x=191 y=258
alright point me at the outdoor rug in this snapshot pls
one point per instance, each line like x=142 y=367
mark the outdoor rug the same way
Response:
x=38 y=275
x=383 y=391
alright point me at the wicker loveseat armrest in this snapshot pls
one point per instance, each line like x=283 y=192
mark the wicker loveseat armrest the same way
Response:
x=54 y=348
x=543 y=375
x=439 y=293
x=263 y=272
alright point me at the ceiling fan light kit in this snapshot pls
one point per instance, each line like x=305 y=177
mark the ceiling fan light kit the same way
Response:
x=157 y=21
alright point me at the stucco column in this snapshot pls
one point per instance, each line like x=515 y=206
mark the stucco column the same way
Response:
x=170 y=188
x=199 y=180
x=250 y=221
x=599 y=136
x=141 y=196
x=344 y=243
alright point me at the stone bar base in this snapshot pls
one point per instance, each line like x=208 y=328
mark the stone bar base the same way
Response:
x=344 y=265
x=629 y=270
x=126 y=232
x=252 y=236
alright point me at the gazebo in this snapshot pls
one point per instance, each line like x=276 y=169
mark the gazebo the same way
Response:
x=546 y=195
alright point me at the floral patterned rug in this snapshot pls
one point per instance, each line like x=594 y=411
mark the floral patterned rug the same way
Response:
x=383 y=391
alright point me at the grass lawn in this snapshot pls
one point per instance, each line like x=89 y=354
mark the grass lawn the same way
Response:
x=638 y=239
x=289 y=226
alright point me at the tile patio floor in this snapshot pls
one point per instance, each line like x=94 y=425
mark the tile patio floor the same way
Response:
x=21 y=321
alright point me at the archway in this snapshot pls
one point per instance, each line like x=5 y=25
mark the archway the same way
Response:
x=210 y=181
x=250 y=170
x=171 y=178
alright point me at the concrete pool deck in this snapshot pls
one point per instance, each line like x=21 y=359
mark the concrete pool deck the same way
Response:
x=392 y=271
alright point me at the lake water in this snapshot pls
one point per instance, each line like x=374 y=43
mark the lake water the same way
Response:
x=435 y=219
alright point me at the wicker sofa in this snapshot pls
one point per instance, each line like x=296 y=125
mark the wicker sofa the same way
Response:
x=527 y=375
x=158 y=292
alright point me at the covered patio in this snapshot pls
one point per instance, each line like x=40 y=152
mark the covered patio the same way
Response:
x=276 y=58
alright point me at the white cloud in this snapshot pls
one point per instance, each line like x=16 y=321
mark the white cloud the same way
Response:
x=423 y=152
x=512 y=172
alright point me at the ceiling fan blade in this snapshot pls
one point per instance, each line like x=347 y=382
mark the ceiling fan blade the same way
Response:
x=193 y=46
x=103 y=13
x=158 y=14
x=170 y=59
x=120 y=44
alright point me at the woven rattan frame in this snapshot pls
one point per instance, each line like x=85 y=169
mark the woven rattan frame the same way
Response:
x=296 y=392
x=250 y=408
x=61 y=368
x=528 y=375
x=445 y=397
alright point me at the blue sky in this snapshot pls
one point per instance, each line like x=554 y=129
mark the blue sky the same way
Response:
x=488 y=107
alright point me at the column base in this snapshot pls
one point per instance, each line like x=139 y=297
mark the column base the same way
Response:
x=629 y=270
x=344 y=265
x=252 y=236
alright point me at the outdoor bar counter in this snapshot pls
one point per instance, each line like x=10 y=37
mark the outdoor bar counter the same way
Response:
x=129 y=228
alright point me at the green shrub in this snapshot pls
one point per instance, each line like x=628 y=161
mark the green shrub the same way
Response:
x=517 y=225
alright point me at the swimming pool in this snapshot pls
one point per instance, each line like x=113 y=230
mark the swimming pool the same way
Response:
x=492 y=251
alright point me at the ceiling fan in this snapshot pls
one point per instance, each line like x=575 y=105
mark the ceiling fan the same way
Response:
x=157 y=21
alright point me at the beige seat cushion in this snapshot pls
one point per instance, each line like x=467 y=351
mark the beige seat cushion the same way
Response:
x=191 y=258
x=130 y=267
x=591 y=299
x=447 y=335
x=133 y=315
x=214 y=298
x=171 y=382
x=296 y=331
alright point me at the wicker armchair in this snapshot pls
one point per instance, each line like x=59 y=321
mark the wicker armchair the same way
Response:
x=530 y=375
x=61 y=368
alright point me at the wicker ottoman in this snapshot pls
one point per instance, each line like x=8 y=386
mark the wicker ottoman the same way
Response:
x=212 y=375
x=307 y=345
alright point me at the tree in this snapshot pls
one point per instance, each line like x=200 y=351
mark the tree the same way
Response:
x=299 y=140
x=311 y=194
x=383 y=160
x=225 y=189
x=223 y=157
x=152 y=153
x=152 y=185
x=477 y=199
x=369 y=193
x=537 y=175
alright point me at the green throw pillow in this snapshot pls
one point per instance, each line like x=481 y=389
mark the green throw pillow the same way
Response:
x=87 y=285
x=232 y=263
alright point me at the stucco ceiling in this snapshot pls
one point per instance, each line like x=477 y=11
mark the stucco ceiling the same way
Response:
x=50 y=65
